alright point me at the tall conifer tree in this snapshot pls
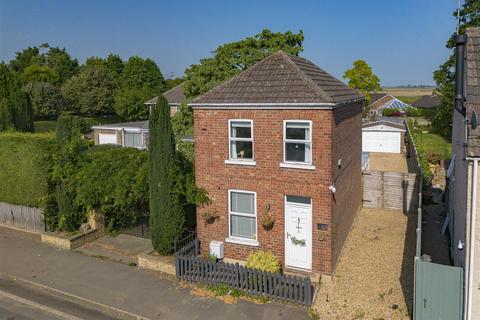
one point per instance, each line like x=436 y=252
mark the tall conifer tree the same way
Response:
x=166 y=215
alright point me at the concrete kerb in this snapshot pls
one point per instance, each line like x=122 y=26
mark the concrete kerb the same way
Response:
x=61 y=292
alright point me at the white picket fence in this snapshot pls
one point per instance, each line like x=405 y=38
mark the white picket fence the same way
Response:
x=21 y=216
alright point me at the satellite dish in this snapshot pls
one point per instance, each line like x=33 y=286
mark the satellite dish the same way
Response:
x=473 y=120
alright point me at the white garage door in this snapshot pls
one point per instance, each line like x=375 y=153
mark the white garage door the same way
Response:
x=107 y=138
x=380 y=141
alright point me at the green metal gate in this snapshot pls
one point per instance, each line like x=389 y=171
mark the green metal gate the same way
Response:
x=438 y=291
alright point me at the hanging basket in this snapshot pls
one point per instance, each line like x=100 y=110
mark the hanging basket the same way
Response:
x=268 y=222
x=209 y=217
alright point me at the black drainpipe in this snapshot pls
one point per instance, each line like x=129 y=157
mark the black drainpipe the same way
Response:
x=461 y=40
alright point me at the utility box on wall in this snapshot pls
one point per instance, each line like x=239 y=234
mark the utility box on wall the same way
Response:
x=216 y=249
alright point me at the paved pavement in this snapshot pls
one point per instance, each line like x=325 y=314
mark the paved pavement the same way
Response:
x=122 y=248
x=120 y=286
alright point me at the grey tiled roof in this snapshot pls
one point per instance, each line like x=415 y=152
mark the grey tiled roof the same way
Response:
x=280 y=78
x=175 y=96
x=427 y=102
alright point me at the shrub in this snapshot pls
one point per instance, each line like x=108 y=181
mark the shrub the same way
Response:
x=263 y=260
x=69 y=218
x=15 y=105
x=24 y=167
x=114 y=181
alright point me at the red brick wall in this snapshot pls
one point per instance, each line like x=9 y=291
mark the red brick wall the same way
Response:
x=267 y=179
x=347 y=146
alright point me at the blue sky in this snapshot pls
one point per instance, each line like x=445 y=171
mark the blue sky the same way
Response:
x=403 y=40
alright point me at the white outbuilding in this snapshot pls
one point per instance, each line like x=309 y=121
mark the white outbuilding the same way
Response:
x=383 y=136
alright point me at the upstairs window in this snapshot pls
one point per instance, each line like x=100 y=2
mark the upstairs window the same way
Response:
x=133 y=139
x=241 y=139
x=297 y=137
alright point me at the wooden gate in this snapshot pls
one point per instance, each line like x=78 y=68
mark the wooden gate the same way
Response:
x=438 y=291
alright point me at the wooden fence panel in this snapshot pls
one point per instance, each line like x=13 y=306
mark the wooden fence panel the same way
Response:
x=390 y=190
x=21 y=216
x=372 y=189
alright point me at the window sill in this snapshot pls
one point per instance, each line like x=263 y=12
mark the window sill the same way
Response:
x=247 y=242
x=242 y=162
x=297 y=166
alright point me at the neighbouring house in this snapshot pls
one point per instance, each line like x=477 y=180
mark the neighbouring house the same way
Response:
x=135 y=134
x=128 y=134
x=463 y=181
x=278 y=149
x=175 y=97
x=383 y=136
x=381 y=101
x=427 y=102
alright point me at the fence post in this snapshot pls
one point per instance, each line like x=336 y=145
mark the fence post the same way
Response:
x=177 y=266
x=197 y=247
x=308 y=292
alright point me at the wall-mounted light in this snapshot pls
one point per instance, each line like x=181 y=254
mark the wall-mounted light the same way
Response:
x=460 y=245
x=332 y=188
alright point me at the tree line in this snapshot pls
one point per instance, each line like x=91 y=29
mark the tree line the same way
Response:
x=55 y=82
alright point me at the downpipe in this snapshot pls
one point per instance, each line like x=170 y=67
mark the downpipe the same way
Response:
x=471 y=245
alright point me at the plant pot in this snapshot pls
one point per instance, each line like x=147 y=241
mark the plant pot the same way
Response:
x=209 y=217
x=268 y=222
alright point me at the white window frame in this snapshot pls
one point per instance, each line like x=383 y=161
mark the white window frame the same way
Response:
x=240 y=240
x=133 y=131
x=232 y=160
x=297 y=164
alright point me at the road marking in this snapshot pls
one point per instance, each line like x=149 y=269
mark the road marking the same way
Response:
x=39 y=306
x=105 y=306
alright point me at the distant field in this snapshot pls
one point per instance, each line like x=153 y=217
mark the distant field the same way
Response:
x=408 y=92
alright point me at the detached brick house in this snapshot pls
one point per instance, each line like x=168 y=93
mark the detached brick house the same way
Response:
x=281 y=141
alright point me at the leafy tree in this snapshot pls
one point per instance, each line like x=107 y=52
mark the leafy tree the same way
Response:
x=91 y=92
x=56 y=59
x=36 y=73
x=15 y=106
x=139 y=72
x=362 y=78
x=25 y=58
x=445 y=76
x=182 y=125
x=172 y=83
x=60 y=61
x=130 y=103
x=166 y=216
x=47 y=99
x=232 y=58
x=141 y=79
x=113 y=64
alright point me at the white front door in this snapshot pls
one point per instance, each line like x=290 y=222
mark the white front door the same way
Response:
x=298 y=232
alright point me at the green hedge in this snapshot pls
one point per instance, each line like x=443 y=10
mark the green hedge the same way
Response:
x=112 y=180
x=24 y=167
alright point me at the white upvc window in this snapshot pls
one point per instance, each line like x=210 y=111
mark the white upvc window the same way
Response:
x=240 y=139
x=133 y=139
x=242 y=215
x=297 y=141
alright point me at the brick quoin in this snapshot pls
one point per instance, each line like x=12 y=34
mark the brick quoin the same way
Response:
x=336 y=134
